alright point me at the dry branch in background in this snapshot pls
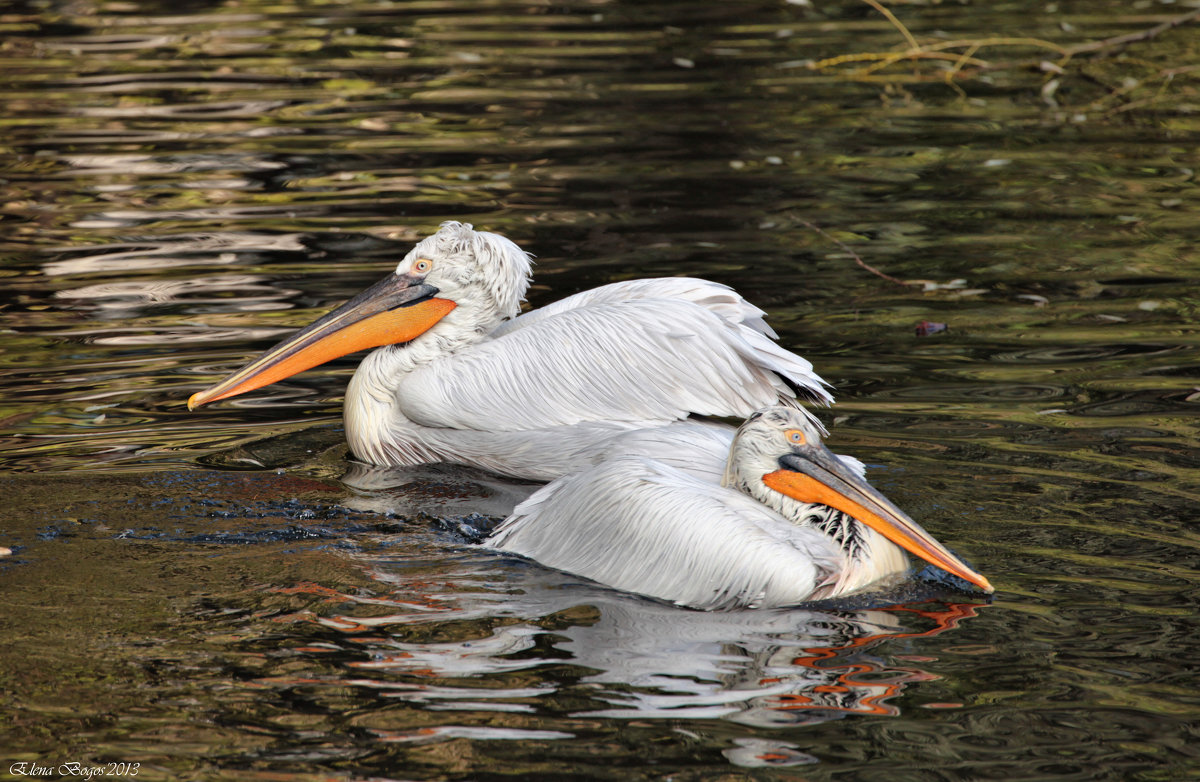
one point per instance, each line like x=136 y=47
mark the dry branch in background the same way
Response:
x=960 y=60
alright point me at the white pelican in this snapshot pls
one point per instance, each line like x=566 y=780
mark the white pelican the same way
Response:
x=458 y=377
x=789 y=522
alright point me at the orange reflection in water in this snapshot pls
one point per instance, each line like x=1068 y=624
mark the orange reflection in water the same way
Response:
x=851 y=693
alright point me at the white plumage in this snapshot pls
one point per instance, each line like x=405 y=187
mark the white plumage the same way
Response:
x=641 y=360
x=641 y=525
x=579 y=385
x=537 y=395
x=638 y=525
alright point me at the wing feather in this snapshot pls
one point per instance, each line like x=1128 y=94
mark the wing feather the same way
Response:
x=643 y=360
x=641 y=526
x=719 y=299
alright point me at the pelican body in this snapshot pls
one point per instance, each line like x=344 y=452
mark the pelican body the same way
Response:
x=789 y=522
x=457 y=375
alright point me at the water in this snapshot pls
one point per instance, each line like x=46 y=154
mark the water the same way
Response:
x=222 y=595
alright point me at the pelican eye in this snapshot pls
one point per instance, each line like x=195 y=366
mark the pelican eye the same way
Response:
x=422 y=266
x=795 y=437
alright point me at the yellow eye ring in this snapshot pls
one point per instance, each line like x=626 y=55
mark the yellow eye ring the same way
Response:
x=422 y=266
x=795 y=437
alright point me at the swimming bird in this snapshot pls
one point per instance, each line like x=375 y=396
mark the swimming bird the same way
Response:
x=789 y=522
x=458 y=376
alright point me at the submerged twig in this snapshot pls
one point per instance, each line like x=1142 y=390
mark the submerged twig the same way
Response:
x=857 y=258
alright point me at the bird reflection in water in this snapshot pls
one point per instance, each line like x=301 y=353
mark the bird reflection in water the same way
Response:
x=857 y=682
x=600 y=654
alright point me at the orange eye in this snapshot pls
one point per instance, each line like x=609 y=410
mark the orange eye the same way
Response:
x=795 y=437
x=422 y=266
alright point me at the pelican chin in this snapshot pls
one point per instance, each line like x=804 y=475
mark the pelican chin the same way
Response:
x=789 y=522
x=458 y=375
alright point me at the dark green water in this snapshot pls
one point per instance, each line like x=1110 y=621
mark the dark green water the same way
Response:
x=222 y=595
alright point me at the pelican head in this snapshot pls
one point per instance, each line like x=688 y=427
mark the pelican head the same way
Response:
x=467 y=280
x=778 y=458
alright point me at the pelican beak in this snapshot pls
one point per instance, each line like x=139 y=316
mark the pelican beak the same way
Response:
x=815 y=475
x=396 y=309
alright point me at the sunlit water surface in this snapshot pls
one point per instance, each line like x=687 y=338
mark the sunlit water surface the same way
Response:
x=223 y=595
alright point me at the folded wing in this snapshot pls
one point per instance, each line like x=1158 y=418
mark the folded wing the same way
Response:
x=720 y=299
x=641 y=526
x=598 y=356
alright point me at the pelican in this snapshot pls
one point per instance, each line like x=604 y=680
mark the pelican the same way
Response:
x=789 y=522
x=458 y=376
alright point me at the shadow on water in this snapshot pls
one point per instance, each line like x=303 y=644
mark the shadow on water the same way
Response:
x=222 y=594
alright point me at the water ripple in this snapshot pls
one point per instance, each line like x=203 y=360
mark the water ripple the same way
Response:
x=180 y=190
x=163 y=252
x=992 y=391
x=1081 y=353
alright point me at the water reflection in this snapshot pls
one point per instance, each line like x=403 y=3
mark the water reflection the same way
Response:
x=471 y=500
x=183 y=184
x=185 y=111
x=165 y=252
x=109 y=43
x=256 y=293
x=132 y=169
x=633 y=658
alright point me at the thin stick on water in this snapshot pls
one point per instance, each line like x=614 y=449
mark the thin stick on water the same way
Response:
x=912 y=42
x=857 y=258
